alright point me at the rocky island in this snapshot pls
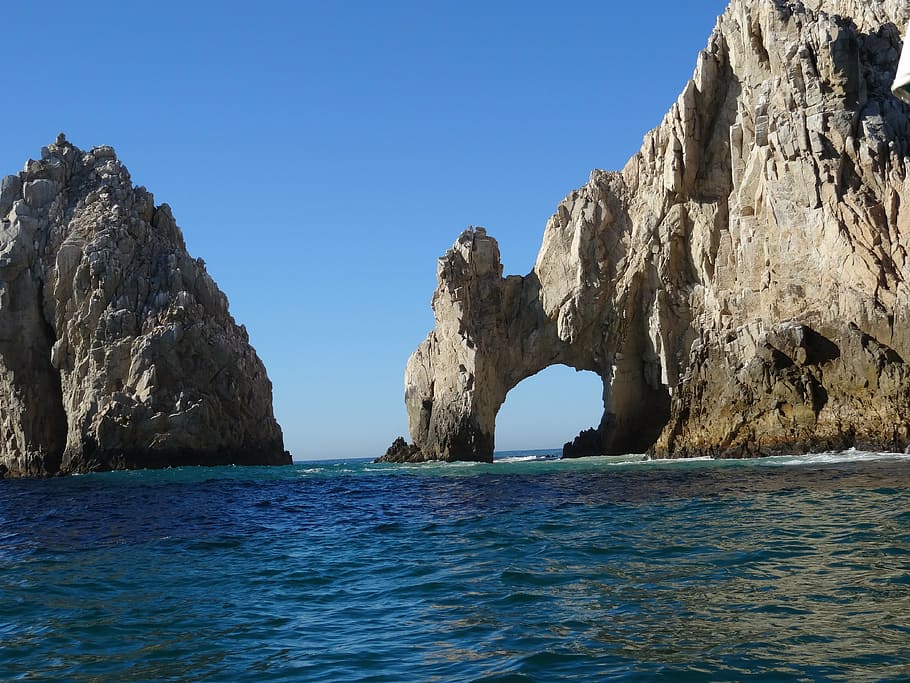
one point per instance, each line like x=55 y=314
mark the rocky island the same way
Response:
x=117 y=349
x=741 y=286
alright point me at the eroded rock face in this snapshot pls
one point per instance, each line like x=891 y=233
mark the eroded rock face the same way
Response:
x=117 y=349
x=740 y=286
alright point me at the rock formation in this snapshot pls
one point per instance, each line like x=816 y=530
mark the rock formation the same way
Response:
x=117 y=349
x=741 y=286
x=401 y=452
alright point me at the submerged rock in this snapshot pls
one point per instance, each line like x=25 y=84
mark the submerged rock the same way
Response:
x=740 y=286
x=117 y=349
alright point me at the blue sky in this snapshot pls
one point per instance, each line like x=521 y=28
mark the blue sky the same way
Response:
x=320 y=156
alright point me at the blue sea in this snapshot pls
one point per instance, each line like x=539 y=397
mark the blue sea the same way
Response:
x=529 y=569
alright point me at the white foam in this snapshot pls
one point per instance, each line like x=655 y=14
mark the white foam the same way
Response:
x=701 y=458
x=463 y=463
x=526 y=458
x=831 y=458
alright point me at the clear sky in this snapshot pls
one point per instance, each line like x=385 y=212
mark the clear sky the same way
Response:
x=320 y=156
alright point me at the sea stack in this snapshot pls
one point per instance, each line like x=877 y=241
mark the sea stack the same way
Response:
x=117 y=349
x=741 y=286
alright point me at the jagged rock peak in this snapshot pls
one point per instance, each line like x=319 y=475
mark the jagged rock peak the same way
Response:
x=117 y=349
x=740 y=286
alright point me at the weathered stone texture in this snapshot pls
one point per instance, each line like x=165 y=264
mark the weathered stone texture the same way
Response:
x=740 y=286
x=117 y=349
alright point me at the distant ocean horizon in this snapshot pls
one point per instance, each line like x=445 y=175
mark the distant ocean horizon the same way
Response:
x=531 y=568
x=555 y=452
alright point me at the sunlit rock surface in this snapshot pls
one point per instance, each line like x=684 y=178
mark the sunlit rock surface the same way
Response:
x=740 y=286
x=117 y=349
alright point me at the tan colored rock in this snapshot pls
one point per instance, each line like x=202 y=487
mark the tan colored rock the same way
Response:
x=117 y=350
x=740 y=286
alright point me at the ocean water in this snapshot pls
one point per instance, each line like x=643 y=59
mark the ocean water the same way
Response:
x=529 y=569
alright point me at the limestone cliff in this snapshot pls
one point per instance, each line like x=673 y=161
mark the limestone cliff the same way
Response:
x=117 y=349
x=741 y=286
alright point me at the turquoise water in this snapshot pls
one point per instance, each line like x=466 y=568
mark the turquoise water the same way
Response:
x=524 y=570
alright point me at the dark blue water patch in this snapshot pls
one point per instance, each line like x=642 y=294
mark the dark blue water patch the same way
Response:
x=542 y=571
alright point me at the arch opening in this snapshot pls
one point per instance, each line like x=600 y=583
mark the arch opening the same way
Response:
x=549 y=408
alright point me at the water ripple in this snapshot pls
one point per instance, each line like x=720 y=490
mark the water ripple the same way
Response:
x=521 y=571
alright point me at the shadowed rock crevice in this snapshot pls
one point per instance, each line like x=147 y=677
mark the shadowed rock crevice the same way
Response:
x=32 y=420
x=740 y=286
x=55 y=417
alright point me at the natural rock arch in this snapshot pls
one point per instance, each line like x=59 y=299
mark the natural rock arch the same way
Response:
x=492 y=333
x=741 y=286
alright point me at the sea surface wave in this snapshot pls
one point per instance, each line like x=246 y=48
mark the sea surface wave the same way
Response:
x=527 y=569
